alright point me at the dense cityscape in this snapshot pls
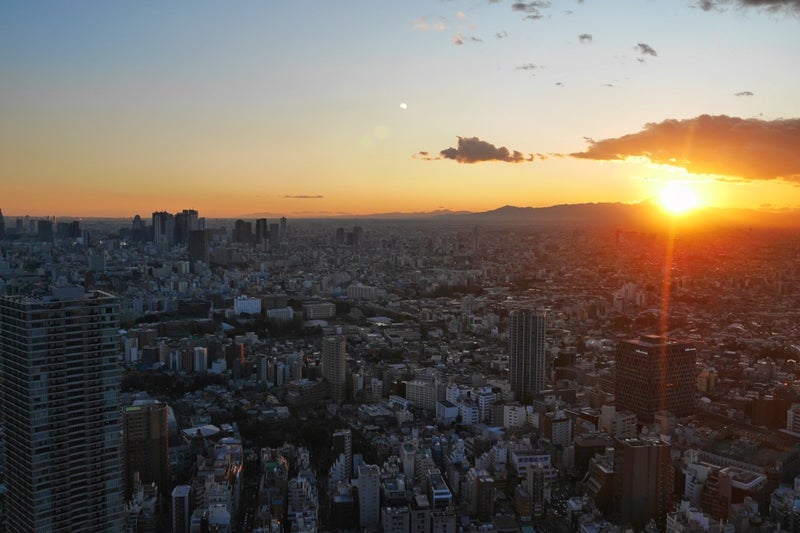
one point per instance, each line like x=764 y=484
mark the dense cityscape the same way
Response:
x=176 y=373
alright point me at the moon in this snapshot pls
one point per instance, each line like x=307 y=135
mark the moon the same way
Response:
x=403 y=106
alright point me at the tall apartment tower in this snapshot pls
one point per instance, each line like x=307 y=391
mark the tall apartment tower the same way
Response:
x=655 y=374
x=334 y=366
x=642 y=481
x=145 y=437
x=369 y=496
x=526 y=361
x=59 y=384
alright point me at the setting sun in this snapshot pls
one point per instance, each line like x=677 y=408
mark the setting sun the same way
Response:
x=677 y=198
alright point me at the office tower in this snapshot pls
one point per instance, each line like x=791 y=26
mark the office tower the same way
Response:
x=334 y=366
x=182 y=508
x=655 y=374
x=198 y=247
x=243 y=232
x=163 y=228
x=44 y=230
x=138 y=230
x=274 y=236
x=283 y=229
x=261 y=231
x=145 y=438
x=369 y=491
x=185 y=222
x=59 y=382
x=642 y=481
x=526 y=364
x=2 y=226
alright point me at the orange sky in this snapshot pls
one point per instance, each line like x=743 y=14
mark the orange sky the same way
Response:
x=267 y=109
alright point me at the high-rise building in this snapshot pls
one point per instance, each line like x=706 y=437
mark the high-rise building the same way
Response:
x=163 y=228
x=642 y=481
x=185 y=222
x=655 y=374
x=59 y=383
x=138 y=230
x=182 y=508
x=526 y=361
x=343 y=454
x=145 y=436
x=2 y=226
x=369 y=495
x=198 y=246
x=334 y=366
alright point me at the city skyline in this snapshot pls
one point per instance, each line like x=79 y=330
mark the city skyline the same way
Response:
x=113 y=110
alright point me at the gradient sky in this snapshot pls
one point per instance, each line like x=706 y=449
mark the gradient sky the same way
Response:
x=294 y=108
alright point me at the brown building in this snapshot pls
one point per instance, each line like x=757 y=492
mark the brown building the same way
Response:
x=146 y=445
x=642 y=481
x=655 y=374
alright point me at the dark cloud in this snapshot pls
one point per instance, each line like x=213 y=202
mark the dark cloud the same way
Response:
x=585 y=38
x=501 y=34
x=750 y=149
x=526 y=66
x=476 y=39
x=474 y=150
x=792 y=6
x=304 y=196
x=645 y=49
x=533 y=9
x=744 y=93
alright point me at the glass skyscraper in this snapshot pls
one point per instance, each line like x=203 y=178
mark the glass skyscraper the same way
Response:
x=526 y=353
x=59 y=383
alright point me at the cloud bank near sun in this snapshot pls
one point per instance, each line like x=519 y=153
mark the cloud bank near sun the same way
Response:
x=750 y=149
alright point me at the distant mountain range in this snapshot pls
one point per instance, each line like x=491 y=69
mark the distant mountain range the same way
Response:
x=640 y=215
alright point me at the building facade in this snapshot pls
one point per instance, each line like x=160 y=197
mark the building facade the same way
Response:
x=655 y=374
x=334 y=350
x=145 y=436
x=526 y=346
x=59 y=384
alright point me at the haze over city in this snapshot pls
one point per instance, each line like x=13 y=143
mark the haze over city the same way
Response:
x=329 y=109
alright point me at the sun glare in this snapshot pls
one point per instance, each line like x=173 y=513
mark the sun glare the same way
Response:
x=678 y=198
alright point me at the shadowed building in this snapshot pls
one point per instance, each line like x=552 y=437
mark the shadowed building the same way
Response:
x=146 y=446
x=526 y=361
x=59 y=383
x=642 y=481
x=655 y=374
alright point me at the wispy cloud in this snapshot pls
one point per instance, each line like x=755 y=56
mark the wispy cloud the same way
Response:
x=533 y=10
x=645 y=49
x=458 y=39
x=789 y=6
x=744 y=93
x=749 y=149
x=526 y=66
x=585 y=38
x=424 y=24
x=304 y=196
